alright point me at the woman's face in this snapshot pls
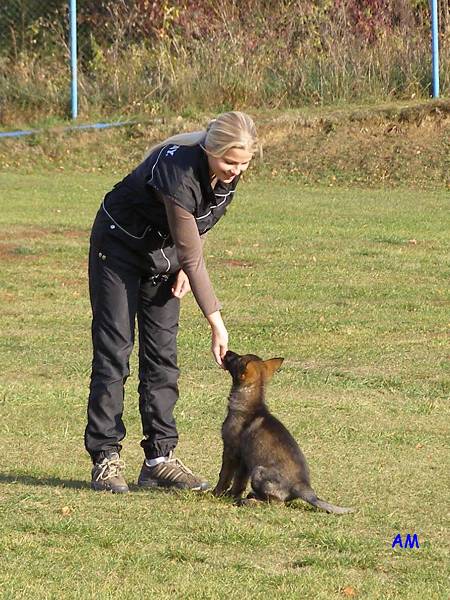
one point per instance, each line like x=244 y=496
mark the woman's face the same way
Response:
x=234 y=162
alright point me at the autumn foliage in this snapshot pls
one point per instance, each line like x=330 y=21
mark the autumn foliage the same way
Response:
x=184 y=55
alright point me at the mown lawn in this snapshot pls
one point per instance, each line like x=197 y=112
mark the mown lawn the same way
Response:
x=351 y=287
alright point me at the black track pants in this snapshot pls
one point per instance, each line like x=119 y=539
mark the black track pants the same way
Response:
x=119 y=291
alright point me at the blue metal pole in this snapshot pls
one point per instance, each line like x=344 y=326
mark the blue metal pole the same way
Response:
x=435 y=46
x=73 y=57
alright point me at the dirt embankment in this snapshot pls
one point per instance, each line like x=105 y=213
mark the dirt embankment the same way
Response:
x=407 y=145
x=374 y=146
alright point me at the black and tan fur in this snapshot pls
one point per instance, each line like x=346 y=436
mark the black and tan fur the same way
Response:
x=257 y=446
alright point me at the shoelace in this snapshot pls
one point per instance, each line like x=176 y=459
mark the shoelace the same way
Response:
x=178 y=463
x=110 y=468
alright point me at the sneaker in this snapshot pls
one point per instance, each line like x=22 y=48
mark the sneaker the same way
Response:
x=107 y=474
x=171 y=473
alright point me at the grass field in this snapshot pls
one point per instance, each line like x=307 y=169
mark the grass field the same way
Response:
x=351 y=287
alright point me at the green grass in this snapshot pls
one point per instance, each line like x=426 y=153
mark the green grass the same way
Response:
x=350 y=286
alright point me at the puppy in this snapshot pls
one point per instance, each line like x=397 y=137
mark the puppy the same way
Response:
x=257 y=446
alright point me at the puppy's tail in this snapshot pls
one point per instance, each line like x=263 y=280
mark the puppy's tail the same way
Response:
x=309 y=496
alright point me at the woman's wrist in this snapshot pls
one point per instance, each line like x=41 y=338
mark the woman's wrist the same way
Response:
x=215 y=320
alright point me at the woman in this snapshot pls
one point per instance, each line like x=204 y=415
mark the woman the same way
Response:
x=145 y=255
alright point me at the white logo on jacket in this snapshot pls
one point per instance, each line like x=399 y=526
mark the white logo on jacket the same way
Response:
x=171 y=151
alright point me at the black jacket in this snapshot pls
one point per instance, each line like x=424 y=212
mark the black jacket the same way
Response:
x=135 y=210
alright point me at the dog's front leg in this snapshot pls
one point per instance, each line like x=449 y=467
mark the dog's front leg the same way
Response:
x=240 y=482
x=229 y=464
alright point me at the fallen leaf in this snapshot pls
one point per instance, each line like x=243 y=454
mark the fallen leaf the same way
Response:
x=349 y=591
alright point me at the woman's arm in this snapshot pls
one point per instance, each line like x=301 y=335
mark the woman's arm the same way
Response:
x=189 y=245
x=181 y=285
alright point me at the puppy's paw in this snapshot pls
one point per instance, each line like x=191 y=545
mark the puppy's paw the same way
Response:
x=250 y=502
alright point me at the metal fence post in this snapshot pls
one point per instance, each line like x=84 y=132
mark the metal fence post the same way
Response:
x=435 y=47
x=73 y=57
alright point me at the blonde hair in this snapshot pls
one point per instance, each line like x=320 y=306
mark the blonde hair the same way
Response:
x=232 y=129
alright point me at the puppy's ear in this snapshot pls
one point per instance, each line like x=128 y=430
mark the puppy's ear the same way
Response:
x=272 y=365
x=249 y=373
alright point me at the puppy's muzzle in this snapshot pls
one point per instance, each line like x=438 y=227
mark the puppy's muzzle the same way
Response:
x=229 y=359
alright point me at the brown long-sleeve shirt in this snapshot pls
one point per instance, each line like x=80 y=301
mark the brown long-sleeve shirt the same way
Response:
x=189 y=245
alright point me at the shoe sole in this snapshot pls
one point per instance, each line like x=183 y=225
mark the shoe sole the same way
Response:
x=103 y=488
x=153 y=484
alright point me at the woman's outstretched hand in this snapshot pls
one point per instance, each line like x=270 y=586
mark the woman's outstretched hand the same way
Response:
x=219 y=337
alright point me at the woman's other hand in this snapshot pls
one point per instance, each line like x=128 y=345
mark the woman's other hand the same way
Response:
x=181 y=285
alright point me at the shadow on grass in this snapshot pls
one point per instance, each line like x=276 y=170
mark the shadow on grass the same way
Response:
x=47 y=481
x=75 y=484
x=33 y=480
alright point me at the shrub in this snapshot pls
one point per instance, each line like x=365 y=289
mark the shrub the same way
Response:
x=184 y=55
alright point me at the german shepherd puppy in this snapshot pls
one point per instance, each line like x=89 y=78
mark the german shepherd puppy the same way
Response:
x=257 y=446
